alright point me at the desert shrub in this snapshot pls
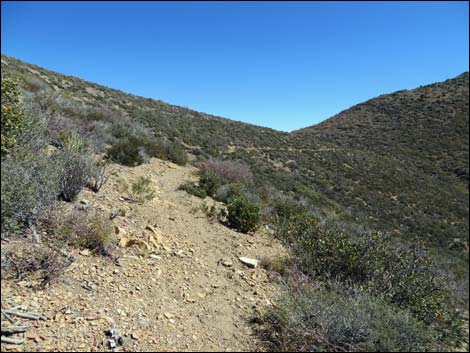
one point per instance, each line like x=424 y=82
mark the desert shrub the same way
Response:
x=29 y=186
x=284 y=210
x=210 y=182
x=142 y=189
x=404 y=276
x=99 y=113
x=274 y=264
x=176 y=153
x=36 y=261
x=76 y=172
x=33 y=84
x=47 y=101
x=34 y=136
x=99 y=174
x=243 y=215
x=72 y=141
x=129 y=139
x=227 y=192
x=132 y=150
x=409 y=278
x=124 y=127
x=316 y=320
x=211 y=212
x=325 y=251
x=232 y=171
x=193 y=189
x=78 y=228
x=128 y=151
x=67 y=132
x=12 y=114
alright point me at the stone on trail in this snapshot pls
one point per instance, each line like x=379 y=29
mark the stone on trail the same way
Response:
x=249 y=262
x=227 y=263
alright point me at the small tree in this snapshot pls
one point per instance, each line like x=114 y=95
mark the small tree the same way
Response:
x=12 y=115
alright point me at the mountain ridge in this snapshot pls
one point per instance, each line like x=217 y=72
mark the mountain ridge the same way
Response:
x=118 y=91
x=428 y=117
x=345 y=171
x=464 y=75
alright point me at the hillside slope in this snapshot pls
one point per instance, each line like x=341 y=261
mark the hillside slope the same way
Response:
x=389 y=163
x=328 y=193
x=428 y=125
x=408 y=162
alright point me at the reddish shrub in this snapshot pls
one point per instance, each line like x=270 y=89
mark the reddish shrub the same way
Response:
x=232 y=171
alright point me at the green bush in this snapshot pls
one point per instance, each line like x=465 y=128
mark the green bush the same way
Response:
x=12 y=115
x=227 y=192
x=283 y=214
x=34 y=136
x=128 y=151
x=243 y=215
x=318 y=320
x=210 y=182
x=134 y=145
x=326 y=250
x=176 y=153
x=29 y=186
x=193 y=189
x=403 y=276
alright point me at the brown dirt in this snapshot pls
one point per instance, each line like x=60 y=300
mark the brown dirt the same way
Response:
x=186 y=301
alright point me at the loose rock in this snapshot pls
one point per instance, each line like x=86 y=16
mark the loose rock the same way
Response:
x=253 y=263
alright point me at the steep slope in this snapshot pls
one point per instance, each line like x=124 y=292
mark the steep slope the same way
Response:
x=398 y=162
x=203 y=132
x=390 y=163
x=428 y=125
x=195 y=295
x=409 y=159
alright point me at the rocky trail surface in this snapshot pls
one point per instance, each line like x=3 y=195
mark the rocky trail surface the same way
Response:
x=185 y=290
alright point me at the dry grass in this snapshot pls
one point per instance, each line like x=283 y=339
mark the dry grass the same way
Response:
x=83 y=230
x=37 y=262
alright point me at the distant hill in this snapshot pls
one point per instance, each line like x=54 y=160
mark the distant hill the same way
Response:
x=429 y=124
x=398 y=162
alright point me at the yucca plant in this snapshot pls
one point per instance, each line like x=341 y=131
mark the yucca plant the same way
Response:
x=73 y=142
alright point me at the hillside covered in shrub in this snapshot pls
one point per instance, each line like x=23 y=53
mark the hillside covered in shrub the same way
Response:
x=372 y=203
x=398 y=162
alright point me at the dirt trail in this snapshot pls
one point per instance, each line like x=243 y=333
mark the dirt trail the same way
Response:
x=197 y=297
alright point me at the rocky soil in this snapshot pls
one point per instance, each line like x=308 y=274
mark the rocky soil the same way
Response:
x=183 y=289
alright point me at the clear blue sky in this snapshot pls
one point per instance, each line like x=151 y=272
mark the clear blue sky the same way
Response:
x=285 y=65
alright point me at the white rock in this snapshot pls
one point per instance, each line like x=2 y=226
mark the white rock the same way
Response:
x=253 y=263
